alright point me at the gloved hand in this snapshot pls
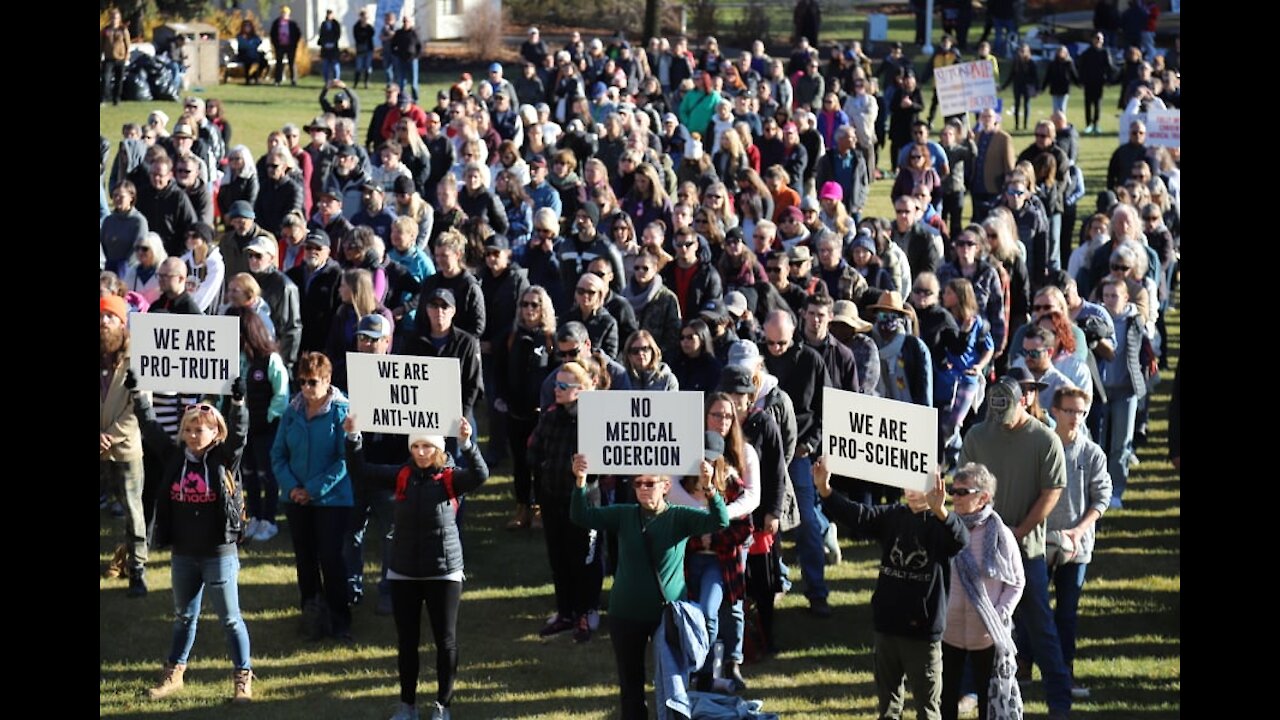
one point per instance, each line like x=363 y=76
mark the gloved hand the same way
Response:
x=237 y=389
x=130 y=381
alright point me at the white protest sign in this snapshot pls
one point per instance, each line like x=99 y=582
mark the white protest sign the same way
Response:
x=630 y=432
x=965 y=87
x=405 y=394
x=1164 y=128
x=885 y=441
x=193 y=354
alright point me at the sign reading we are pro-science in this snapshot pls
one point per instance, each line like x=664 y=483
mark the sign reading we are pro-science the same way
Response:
x=190 y=354
x=405 y=394
x=624 y=432
x=880 y=440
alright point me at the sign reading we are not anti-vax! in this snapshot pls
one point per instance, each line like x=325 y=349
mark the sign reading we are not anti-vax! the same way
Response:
x=405 y=394
x=880 y=440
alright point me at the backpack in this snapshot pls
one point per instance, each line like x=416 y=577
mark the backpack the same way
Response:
x=445 y=477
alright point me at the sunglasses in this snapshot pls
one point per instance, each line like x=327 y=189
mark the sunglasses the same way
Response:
x=1015 y=193
x=573 y=353
x=773 y=270
x=588 y=292
x=1037 y=353
x=1121 y=268
x=567 y=386
x=776 y=343
x=954 y=491
x=690 y=243
x=142 y=249
x=645 y=484
x=311 y=382
x=200 y=408
x=1046 y=308
x=528 y=304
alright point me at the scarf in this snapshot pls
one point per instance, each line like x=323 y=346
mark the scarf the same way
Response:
x=640 y=297
x=1005 y=699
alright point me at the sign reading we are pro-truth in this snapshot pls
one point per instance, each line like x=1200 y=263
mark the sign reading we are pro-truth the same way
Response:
x=880 y=440
x=405 y=394
x=625 y=432
x=191 y=354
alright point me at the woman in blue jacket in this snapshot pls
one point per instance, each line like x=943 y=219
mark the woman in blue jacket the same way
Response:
x=310 y=467
x=967 y=356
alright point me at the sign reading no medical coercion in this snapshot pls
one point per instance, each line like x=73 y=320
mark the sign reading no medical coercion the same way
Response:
x=965 y=87
x=405 y=394
x=191 y=354
x=630 y=432
x=880 y=440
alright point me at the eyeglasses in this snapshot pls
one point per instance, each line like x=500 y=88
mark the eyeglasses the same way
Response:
x=567 y=386
x=1045 y=307
x=530 y=304
x=640 y=350
x=1037 y=353
x=954 y=491
x=645 y=484
x=311 y=382
x=200 y=408
x=1121 y=268
x=584 y=291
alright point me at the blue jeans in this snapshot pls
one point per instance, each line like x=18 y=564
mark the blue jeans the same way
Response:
x=1120 y=418
x=733 y=622
x=332 y=70
x=1038 y=636
x=389 y=64
x=1148 y=46
x=1003 y=27
x=407 y=72
x=813 y=524
x=1054 y=260
x=1060 y=102
x=376 y=503
x=705 y=570
x=219 y=574
x=1068 y=582
x=364 y=62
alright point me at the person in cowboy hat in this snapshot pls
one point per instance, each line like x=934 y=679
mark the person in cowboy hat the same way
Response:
x=906 y=367
x=853 y=331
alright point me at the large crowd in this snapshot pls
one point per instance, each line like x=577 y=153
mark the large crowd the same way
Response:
x=620 y=217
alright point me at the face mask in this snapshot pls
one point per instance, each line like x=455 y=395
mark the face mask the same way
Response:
x=889 y=328
x=1101 y=238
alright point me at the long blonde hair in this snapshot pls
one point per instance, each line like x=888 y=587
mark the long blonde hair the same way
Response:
x=360 y=282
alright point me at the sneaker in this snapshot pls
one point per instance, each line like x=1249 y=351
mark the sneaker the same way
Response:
x=251 y=529
x=439 y=712
x=968 y=705
x=593 y=620
x=1079 y=692
x=137 y=584
x=266 y=531
x=831 y=546
x=406 y=712
x=170 y=681
x=582 y=633
x=242 y=682
x=555 y=626
x=820 y=607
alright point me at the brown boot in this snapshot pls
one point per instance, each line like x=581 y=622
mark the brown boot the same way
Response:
x=520 y=521
x=119 y=565
x=243 y=684
x=170 y=681
x=535 y=523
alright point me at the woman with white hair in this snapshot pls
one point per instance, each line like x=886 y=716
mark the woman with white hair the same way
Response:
x=239 y=180
x=425 y=563
x=987 y=580
x=143 y=276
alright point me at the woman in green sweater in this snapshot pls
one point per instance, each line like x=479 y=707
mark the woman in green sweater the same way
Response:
x=636 y=601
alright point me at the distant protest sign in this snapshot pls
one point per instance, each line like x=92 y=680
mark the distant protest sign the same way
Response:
x=628 y=433
x=883 y=441
x=1164 y=128
x=405 y=394
x=965 y=87
x=190 y=354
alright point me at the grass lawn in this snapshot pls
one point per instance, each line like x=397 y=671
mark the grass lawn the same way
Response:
x=1130 y=637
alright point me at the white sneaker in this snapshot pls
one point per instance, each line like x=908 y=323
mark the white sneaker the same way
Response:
x=267 y=531
x=252 y=528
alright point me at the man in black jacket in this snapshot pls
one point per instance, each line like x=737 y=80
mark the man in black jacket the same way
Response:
x=801 y=374
x=174 y=297
x=442 y=339
x=166 y=207
x=317 y=278
x=691 y=276
x=503 y=283
x=373 y=136
x=1097 y=68
x=923 y=253
x=842 y=373
x=406 y=48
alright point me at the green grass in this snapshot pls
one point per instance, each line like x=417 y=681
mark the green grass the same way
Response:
x=1130 y=637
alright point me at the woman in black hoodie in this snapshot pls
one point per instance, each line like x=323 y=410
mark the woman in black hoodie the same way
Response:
x=425 y=565
x=202 y=517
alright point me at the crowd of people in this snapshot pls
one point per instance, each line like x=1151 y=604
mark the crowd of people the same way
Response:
x=650 y=218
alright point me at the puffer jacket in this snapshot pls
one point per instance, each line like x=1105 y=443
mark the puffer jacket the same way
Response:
x=426 y=541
